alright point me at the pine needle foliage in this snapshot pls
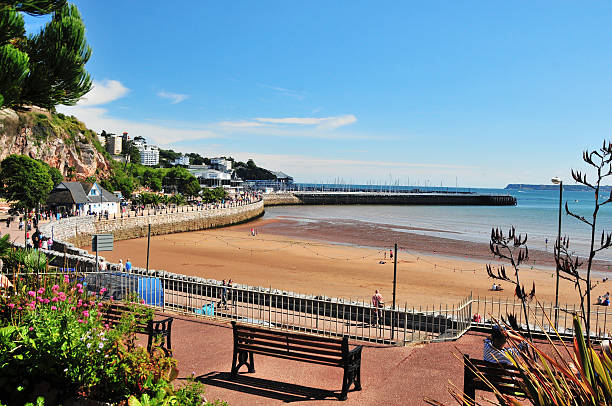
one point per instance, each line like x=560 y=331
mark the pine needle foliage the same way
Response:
x=58 y=56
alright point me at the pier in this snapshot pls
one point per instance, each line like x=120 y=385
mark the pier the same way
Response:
x=432 y=199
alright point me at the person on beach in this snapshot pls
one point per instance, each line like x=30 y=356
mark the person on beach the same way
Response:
x=224 y=294
x=229 y=292
x=494 y=351
x=377 y=303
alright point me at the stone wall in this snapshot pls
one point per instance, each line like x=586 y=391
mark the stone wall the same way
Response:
x=277 y=199
x=72 y=232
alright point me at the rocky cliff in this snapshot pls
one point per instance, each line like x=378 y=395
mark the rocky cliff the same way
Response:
x=62 y=142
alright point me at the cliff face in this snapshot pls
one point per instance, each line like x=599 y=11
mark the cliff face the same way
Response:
x=62 y=142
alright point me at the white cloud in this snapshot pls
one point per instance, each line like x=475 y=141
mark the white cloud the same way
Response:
x=174 y=98
x=240 y=124
x=325 y=122
x=104 y=92
x=97 y=119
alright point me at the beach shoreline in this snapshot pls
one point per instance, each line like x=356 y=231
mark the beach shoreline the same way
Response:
x=338 y=262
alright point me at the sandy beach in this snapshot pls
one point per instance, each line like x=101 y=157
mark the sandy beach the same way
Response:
x=315 y=259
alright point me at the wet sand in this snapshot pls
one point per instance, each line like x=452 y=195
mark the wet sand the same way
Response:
x=301 y=258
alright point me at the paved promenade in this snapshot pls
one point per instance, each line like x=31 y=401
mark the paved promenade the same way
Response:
x=390 y=375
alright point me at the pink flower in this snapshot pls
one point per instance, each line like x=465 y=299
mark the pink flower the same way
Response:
x=31 y=329
x=80 y=290
x=53 y=307
x=73 y=289
x=11 y=305
x=55 y=287
x=32 y=293
x=41 y=291
x=73 y=308
x=85 y=314
x=78 y=285
x=142 y=301
x=19 y=307
x=106 y=325
x=55 y=299
x=99 y=304
x=81 y=321
x=103 y=290
x=40 y=299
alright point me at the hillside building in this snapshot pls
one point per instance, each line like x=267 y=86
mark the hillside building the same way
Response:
x=181 y=160
x=82 y=197
x=114 y=144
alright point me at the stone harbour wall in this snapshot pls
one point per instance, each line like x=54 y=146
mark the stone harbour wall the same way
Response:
x=72 y=232
x=277 y=199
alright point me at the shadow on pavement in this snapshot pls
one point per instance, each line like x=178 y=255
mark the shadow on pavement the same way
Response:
x=267 y=388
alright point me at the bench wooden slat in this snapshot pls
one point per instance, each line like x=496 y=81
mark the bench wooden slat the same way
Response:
x=292 y=340
x=294 y=335
x=293 y=354
x=290 y=347
x=330 y=364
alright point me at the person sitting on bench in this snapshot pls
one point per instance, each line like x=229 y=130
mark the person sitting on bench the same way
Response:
x=494 y=350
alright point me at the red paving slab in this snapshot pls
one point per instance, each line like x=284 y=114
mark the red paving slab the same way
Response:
x=389 y=375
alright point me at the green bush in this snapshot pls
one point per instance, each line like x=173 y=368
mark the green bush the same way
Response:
x=53 y=343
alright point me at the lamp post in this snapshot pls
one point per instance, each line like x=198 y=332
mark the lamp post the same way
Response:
x=559 y=182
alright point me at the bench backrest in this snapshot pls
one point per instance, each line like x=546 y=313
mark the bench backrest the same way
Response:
x=505 y=378
x=112 y=313
x=295 y=346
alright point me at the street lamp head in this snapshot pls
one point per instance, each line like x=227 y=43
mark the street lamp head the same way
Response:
x=556 y=180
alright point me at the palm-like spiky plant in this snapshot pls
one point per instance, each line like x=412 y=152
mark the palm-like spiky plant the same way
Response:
x=568 y=262
x=512 y=248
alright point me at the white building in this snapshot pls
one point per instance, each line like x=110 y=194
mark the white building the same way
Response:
x=83 y=197
x=149 y=154
x=221 y=164
x=181 y=160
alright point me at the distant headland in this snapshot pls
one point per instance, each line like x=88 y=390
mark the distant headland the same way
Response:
x=570 y=188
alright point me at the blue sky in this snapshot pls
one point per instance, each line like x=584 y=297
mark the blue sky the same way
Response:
x=482 y=93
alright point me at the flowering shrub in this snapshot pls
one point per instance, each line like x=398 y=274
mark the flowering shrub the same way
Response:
x=54 y=336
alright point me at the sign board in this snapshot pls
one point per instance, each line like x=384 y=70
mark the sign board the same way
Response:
x=102 y=242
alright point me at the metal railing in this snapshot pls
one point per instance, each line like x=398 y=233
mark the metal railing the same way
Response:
x=275 y=309
x=541 y=316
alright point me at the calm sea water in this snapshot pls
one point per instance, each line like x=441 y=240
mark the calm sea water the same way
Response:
x=536 y=214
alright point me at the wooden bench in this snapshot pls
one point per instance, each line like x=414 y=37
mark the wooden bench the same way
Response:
x=333 y=352
x=504 y=377
x=154 y=329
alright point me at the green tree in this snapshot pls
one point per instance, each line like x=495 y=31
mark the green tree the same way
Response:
x=14 y=63
x=24 y=181
x=34 y=7
x=153 y=179
x=58 y=55
x=54 y=173
x=131 y=153
x=182 y=181
x=192 y=188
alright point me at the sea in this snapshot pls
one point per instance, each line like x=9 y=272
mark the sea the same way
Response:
x=536 y=213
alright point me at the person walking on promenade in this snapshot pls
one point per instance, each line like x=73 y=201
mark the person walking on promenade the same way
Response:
x=128 y=265
x=377 y=303
x=121 y=268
